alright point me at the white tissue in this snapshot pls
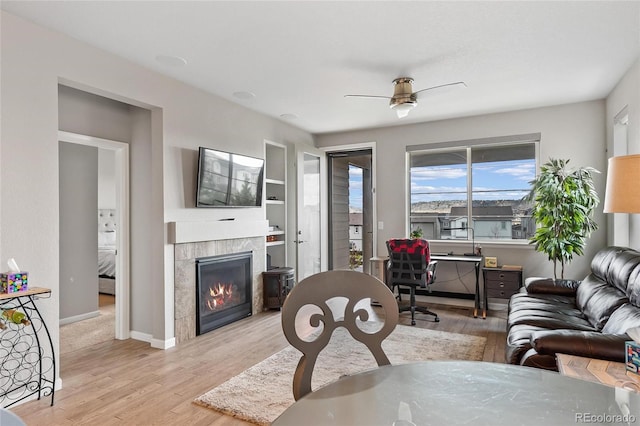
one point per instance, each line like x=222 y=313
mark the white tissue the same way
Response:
x=13 y=266
x=634 y=333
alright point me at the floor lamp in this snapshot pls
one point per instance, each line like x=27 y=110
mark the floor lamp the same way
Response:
x=622 y=195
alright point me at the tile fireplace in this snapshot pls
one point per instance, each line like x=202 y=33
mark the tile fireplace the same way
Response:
x=197 y=240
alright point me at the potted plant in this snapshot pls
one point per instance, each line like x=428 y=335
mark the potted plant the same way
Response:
x=416 y=233
x=564 y=201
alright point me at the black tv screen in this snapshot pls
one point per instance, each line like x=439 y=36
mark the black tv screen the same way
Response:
x=228 y=180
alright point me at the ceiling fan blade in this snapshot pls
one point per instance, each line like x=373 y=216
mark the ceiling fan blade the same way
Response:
x=367 y=96
x=448 y=85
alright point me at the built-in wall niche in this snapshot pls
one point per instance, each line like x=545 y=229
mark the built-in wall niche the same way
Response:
x=276 y=203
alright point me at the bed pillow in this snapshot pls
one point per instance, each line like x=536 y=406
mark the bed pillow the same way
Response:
x=107 y=239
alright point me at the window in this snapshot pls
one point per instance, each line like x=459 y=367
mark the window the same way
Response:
x=490 y=175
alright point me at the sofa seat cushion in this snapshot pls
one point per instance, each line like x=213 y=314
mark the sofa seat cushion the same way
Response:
x=598 y=300
x=540 y=304
x=570 y=318
x=551 y=312
x=625 y=317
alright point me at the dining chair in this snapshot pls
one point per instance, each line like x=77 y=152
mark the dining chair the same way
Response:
x=324 y=290
x=410 y=265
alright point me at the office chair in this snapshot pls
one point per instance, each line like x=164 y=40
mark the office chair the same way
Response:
x=410 y=265
x=318 y=290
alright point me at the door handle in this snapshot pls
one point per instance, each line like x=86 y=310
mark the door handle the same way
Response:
x=298 y=241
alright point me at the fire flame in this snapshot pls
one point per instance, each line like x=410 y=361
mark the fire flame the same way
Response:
x=219 y=294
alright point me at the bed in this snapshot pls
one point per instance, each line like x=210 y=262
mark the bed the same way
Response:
x=107 y=251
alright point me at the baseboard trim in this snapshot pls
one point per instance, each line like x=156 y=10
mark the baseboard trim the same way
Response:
x=155 y=343
x=163 y=344
x=81 y=317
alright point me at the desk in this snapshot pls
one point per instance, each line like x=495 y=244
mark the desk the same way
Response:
x=379 y=266
x=477 y=261
x=462 y=392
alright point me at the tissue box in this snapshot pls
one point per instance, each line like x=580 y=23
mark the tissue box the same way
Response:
x=13 y=282
x=632 y=356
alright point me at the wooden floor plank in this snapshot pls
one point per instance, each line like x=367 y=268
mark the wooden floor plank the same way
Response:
x=130 y=383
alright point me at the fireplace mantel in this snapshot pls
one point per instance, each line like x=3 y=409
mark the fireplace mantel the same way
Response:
x=191 y=232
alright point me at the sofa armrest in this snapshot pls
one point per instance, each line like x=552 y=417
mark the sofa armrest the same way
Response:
x=590 y=344
x=551 y=286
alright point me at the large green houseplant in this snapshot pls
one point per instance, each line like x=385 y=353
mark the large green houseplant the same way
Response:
x=564 y=201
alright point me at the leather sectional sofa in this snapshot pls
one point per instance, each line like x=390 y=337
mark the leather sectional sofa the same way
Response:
x=587 y=318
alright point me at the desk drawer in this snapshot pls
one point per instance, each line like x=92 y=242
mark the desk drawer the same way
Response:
x=512 y=276
x=501 y=288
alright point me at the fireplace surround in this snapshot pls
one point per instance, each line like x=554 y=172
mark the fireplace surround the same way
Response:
x=185 y=254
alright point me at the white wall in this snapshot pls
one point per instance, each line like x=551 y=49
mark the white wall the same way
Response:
x=627 y=94
x=34 y=61
x=575 y=131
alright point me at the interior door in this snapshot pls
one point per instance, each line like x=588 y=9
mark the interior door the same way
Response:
x=308 y=238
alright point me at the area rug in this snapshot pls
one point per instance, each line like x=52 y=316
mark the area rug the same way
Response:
x=262 y=392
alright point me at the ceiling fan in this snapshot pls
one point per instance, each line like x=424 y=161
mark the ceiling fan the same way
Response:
x=404 y=99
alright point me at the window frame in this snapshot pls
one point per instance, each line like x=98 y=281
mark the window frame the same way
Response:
x=468 y=145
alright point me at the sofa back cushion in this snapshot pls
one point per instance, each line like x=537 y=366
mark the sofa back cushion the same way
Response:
x=598 y=300
x=624 y=318
x=616 y=265
x=633 y=286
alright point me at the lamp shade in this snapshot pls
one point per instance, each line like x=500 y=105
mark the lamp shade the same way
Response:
x=623 y=185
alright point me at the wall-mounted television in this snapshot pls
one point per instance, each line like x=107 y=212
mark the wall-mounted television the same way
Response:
x=228 y=180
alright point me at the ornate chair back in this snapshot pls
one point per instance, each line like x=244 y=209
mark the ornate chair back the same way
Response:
x=319 y=290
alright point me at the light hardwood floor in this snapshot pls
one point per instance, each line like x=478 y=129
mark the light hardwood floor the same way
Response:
x=129 y=383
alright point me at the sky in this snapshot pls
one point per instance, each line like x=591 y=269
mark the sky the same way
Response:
x=498 y=180
x=355 y=187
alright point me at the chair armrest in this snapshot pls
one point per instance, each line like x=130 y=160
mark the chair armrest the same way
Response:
x=590 y=344
x=551 y=286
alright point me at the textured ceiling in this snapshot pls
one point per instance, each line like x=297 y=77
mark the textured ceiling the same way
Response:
x=302 y=57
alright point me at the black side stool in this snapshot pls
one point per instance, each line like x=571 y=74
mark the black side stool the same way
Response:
x=277 y=283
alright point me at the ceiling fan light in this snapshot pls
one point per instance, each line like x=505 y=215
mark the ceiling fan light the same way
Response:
x=403 y=109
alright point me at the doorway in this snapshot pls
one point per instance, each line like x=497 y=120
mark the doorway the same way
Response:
x=620 y=221
x=351 y=211
x=121 y=238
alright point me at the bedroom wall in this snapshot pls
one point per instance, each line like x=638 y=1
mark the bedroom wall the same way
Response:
x=106 y=179
x=575 y=131
x=34 y=61
x=627 y=94
x=78 y=232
